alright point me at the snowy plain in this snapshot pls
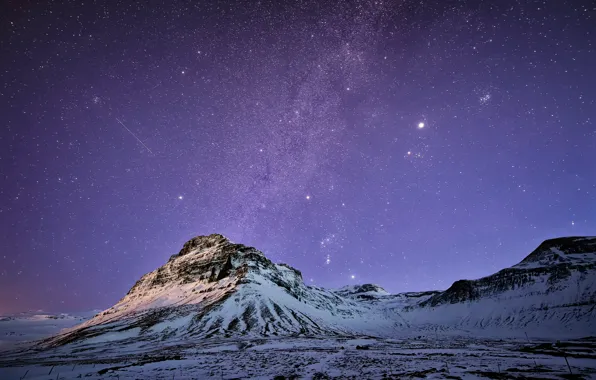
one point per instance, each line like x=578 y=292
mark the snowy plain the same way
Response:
x=29 y=326
x=434 y=354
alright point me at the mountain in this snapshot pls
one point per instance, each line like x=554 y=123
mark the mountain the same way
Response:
x=552 y=290
x=214 y=287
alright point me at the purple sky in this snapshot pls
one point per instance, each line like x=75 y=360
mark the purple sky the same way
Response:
x=403 y=143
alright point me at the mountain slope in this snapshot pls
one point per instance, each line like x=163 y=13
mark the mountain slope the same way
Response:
x=214 y=287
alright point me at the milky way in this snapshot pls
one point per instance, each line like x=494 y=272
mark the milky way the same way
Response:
x=403 y=143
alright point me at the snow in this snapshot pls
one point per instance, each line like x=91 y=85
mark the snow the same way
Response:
x=113 y=336
x=173 y=324
x=431 y=357
x=24 y=327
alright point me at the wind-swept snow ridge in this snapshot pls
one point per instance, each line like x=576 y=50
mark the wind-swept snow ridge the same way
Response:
x=214 y=287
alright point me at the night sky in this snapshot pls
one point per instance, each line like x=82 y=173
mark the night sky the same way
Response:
x=404 y=143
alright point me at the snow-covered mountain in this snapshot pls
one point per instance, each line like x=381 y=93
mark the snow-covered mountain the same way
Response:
x=214 y=287
x=550 y=292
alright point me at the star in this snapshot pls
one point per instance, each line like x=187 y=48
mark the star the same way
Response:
x=420 y=125
x=180 y=197
x=308 y=197
x=353 y=277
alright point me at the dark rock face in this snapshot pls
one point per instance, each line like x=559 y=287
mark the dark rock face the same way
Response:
x=368 y=288
x=460 y=291
x=208 y=267
x=200 y=242
x=296 y=271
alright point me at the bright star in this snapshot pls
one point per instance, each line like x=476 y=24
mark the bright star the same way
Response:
x=180 y=197
x=353 y=277
x=308 y=197
x=420 y=125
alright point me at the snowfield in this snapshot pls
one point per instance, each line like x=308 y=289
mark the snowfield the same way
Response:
x=429 y=356
x=23 y=327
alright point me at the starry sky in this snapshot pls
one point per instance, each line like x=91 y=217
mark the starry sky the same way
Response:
x=404 y=143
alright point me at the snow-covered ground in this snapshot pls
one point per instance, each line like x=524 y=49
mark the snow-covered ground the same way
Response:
x=433 y=356
x=16 y=329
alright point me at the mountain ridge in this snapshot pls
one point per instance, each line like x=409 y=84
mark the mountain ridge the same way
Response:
x=214 y=287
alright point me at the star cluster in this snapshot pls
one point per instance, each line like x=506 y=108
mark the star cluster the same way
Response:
x=403 y=143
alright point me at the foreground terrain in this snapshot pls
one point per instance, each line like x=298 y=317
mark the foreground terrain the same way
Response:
x=439 y=356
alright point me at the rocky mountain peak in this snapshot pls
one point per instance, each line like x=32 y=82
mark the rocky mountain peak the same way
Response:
x=204 y=259
x=199 y=243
